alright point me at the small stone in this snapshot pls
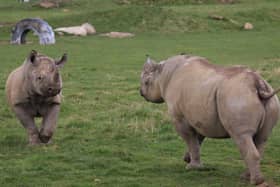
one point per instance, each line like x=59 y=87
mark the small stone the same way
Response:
x=48 y=4
x=118 y=34
x=65 y=10
x=227 y=1
x=217 y=17
x=97 y=180
x=248 y=26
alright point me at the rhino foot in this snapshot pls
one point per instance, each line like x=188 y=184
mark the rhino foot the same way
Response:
x=245 y=175
x=194 y=166
x=45 y=139
x=264 y=184
x=257 y=180
x=34 y=140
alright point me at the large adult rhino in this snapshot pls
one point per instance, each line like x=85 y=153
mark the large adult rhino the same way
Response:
x=207 y=100
x=34 y=90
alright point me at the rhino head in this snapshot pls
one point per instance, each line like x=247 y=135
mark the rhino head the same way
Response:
x=43 y=74
x=150 y=76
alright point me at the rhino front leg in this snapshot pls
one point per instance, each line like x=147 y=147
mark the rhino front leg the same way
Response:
x=27 y=120
x=191 y=138
x=49 y=122
x=187 y=157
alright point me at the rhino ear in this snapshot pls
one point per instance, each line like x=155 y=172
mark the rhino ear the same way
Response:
x=152 y=66
x=60 y=63
x=159 y=67
x=32 y=56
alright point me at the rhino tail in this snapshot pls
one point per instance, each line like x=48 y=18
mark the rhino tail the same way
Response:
x=264 y=91
x=267 y=95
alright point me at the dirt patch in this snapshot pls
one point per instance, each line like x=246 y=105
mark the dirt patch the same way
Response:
x=118 y=34
x=51 y=3
x=174 y=2
x=6 y=24
x=8 y=42
x=4 y=42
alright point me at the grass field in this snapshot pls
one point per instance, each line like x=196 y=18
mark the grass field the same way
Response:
x=107 y=134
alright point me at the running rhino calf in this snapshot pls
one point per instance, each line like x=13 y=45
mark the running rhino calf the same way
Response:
x=34 y=90
x=206 y=100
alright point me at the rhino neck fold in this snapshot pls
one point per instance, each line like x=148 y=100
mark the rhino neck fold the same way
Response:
x=27 y=85
x=166 y=75
x=26 y=82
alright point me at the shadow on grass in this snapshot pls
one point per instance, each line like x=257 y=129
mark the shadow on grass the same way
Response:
x=204 y=168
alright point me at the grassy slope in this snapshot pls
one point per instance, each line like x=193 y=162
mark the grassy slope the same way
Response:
x=108 y=135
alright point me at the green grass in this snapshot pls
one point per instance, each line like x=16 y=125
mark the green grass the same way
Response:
x=107 y=134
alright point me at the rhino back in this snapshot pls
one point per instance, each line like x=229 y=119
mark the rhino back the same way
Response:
x=192 y=93
x=212 y=98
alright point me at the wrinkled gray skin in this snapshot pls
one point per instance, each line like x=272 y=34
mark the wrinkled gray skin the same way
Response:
x=34 y=90
x=206 y=100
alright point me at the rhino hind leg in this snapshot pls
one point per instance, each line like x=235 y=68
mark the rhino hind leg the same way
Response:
x=29 y=124
x=270 y=120
x=251 y=156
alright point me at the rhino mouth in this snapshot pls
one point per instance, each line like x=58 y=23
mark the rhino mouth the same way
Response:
x=51 y=92
x=157 y=101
